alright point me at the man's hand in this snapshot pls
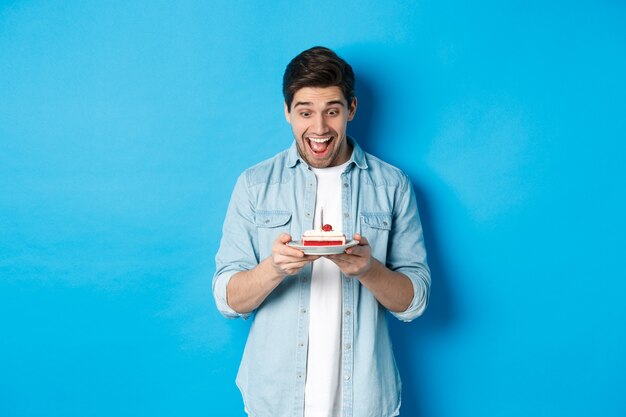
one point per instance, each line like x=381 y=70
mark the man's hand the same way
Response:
x=392 y=289
x=247 y=289
x=287 y=260
x=357 y=260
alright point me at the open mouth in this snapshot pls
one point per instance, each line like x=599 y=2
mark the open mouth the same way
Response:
x=319 y=145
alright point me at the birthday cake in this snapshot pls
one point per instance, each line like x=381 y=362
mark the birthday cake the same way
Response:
x=325 y=236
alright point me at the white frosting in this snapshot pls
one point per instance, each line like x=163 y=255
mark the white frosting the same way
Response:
x=322 y=233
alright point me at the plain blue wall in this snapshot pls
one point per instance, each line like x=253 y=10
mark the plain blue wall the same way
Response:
x=123 y=126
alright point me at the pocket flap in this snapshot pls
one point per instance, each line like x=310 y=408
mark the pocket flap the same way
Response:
x=377 y=220
x=275 y=218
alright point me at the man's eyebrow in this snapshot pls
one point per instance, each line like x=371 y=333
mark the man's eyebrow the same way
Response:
x=308 y=103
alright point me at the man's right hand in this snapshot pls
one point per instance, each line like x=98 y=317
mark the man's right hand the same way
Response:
x=246 y=290
x=287 y=260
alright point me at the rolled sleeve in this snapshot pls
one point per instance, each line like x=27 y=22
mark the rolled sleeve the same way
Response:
x=407 y=253
x=421 y=290
x=237 y=248
x=220 y=282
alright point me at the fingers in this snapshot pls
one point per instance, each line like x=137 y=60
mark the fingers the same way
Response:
x=362 y=249
x=361 y=239
x=284 y=238
x=356 y=260
x=280 y=247
x=287 y=260
x=291 y=266
x=351 y=265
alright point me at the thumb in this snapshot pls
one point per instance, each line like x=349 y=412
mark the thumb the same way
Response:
x=362 y=240
x=284 y=238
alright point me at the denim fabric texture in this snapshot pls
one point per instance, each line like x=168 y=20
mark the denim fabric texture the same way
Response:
x=278 y=196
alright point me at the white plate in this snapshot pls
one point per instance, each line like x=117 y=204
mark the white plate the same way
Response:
x=322 y=250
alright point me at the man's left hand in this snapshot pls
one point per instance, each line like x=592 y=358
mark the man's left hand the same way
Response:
x=357 y=260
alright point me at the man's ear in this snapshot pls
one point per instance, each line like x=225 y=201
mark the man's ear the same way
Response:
x=287 y=113
x=352 y=109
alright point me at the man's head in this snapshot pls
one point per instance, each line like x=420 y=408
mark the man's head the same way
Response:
x=318 y=87
x=318 y=67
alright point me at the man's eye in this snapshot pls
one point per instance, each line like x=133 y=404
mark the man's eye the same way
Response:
x=333 y=112
x=305 y=114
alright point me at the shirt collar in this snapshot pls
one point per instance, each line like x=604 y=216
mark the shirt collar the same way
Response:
x=358 y=155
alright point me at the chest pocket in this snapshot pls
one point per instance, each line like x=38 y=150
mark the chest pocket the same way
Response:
x=376 y=227
x=270 y=224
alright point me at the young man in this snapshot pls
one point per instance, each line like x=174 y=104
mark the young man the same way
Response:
x=319 y=345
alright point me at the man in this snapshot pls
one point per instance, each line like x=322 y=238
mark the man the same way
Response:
x=319 y=344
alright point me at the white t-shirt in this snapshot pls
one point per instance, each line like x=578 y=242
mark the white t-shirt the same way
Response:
x=322 y=395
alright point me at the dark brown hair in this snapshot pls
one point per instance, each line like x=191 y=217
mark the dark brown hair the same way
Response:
x=318 y=67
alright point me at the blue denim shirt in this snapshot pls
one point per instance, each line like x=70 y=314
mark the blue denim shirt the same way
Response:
x=278 y=196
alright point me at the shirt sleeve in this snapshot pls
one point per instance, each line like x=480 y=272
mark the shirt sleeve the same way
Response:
x=238 y=249
x=407 y=253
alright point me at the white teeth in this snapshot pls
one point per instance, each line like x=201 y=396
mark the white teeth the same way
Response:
x=319 y=140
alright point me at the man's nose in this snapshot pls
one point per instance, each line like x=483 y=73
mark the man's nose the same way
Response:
x=319 y=124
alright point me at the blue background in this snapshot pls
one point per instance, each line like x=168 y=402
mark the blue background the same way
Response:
x=123 y=127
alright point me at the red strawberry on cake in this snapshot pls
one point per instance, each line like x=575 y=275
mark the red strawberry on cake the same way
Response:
x=324 y=237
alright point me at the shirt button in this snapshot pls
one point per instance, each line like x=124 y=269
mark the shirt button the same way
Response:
x=303 y=311
x=348 y=345
x=346 y=215
x=348 y=313
x=346 y=377
x=345 y=184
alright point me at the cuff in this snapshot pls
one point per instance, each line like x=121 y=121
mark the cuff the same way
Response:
x=421 y=288
x=220 y=282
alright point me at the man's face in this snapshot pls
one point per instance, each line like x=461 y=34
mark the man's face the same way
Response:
x=319 y=119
